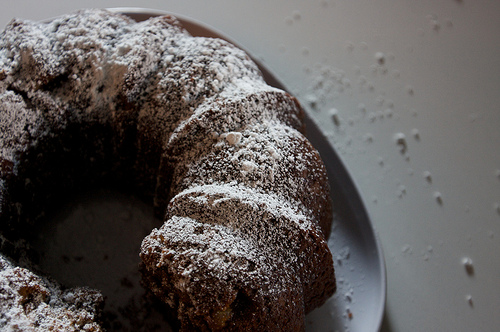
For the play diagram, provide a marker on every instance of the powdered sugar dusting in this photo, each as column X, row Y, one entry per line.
column 17, row 125
column 31, row 303
column 197, row 123
column 271, row 203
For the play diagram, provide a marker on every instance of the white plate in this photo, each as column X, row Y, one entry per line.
column 359, row 302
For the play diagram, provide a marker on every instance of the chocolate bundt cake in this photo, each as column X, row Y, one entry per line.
column 188, row 122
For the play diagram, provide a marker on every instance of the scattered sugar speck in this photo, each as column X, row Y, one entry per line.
column 427, row 176
column 380, row 57
column 406, row 249
column 416, row 134
column 334, row 114
column 467, row 263
column 438, row 197
column 468, row 298
column 400, row 140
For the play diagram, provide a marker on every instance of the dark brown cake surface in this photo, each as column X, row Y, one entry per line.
column 187, row 122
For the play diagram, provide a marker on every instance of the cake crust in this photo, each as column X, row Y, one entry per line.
column 188, row 122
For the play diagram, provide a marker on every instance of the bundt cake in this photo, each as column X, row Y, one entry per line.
column 187, row 122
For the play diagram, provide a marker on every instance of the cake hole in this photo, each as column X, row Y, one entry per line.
column 242, row 304
column 199, row 230
column 93, row 240
column 251, row 266
column 57, row 82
